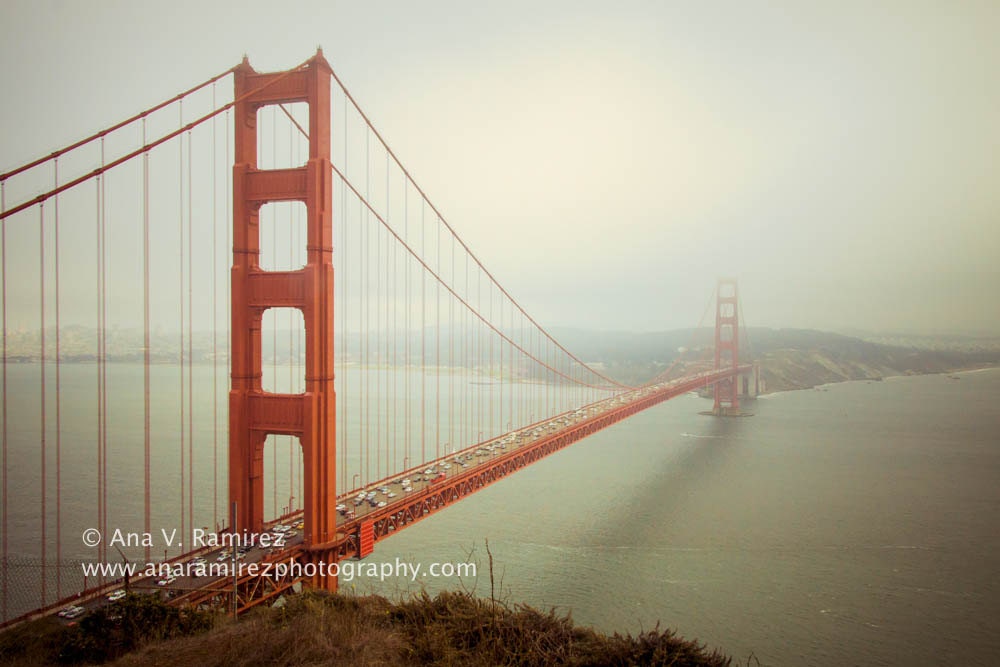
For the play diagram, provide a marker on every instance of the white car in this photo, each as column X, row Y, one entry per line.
column 71, row 612
column 166, row 581
column 116, row 595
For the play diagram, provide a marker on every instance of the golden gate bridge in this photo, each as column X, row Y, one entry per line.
column 363, row 340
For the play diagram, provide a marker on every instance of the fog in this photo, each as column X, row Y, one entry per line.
column 608, row 161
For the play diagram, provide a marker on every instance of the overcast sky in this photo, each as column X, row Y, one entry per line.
column 609, row 160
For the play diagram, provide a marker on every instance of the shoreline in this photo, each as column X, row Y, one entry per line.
column 886, row 378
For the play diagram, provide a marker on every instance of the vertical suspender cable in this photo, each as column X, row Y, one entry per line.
column 298, row 241
column 180, row 297
column 539, row 389
column 526, row 373
column 229, row 250
column 362, row 339
column 3, row 381
column 406, row 322
column 384, row 330
column 102, row 354
column 477, row 361
column 274, row 319
column 423, row 339
column 390, row 302
column 104, row 358
column 550, row 385
column 491, row 397
column 41, row 291
column 292, row 220
column 499, row 396
column 190, row 335
column 215, row 322
column 511, row 421
column 343, row 429
column 366, row 422
column 378, row 350
column 468, row 363
column 395, row 345
column 145, row 340
column 362, row 343
column 451, row 352
column 437, row 360
column 58, row 360
column 100, row 333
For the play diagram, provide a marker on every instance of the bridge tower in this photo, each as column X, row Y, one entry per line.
column 254, row 413
column 727, row 346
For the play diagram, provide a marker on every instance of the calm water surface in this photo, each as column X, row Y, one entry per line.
column 853, row 525
column 857, row 524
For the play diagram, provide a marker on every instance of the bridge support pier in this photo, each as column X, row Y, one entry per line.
column 254, row 413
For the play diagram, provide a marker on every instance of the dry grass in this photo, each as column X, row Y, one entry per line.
column 449, row 629
column 313, row 629
column 318, row 629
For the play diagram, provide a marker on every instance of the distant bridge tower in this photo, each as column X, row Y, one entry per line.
column 254, row 413
column 727, row 346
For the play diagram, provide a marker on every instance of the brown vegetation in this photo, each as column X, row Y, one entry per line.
column 318, row 629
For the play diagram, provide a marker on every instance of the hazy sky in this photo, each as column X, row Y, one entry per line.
column 607, row 161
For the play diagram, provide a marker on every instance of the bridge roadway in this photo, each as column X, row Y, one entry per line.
column 432, row 487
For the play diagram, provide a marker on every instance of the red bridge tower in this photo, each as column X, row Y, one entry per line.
column 727, row 346
column 254, row 413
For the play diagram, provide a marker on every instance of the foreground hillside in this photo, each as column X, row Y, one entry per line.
column 319, row 629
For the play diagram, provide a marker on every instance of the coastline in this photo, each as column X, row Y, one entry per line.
column 885, row 378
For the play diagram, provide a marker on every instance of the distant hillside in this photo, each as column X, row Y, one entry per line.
column 801, row 359
column 789, row 358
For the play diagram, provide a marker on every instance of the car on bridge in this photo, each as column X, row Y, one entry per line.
column 72, row 612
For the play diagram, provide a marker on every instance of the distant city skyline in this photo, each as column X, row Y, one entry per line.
column 608, row 163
